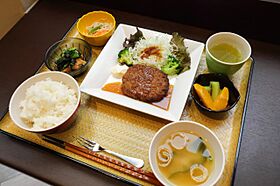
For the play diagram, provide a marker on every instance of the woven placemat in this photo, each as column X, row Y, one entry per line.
column 130, row 132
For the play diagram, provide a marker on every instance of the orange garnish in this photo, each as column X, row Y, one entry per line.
column 203, row 95
column 220, row 102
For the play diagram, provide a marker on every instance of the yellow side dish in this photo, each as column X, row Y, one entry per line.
column 219, row 103
column 99, row 28
column 96, row 27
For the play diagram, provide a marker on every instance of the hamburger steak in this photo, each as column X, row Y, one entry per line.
column 145, row 83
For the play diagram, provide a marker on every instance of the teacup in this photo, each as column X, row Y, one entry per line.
column 233, row 40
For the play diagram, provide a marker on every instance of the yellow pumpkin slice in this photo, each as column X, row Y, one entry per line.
column 204, row 95
column 221, row 101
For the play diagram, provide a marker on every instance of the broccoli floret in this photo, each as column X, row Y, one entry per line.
column 124, row 57
column 172, row 66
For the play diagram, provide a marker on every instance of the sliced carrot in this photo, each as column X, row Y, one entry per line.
column 100, row 32
column 67, row 69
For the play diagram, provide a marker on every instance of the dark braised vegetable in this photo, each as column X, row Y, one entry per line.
column 70, row 60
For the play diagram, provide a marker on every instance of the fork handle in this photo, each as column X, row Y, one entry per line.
column 134, row 161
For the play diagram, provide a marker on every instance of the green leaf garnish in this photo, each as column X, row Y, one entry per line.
column 180, row 51
column 131, row 41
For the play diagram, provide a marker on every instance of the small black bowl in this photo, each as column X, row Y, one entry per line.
column 204, row 80
column 54, row 52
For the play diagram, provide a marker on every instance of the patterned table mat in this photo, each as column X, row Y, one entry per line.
column 130, row 132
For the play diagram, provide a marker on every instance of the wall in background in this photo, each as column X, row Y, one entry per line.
column 27, row 4
column 11, row 11
column 254, row 19
column 272, row 1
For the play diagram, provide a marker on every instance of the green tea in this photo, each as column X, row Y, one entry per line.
column 226, row 53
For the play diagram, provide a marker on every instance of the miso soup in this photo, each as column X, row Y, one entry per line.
column 226, row 53
column 184, row 158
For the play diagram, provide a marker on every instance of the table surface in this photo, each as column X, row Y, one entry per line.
column 21, row 54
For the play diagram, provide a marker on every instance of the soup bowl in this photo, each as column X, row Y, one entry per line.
column 203, row 132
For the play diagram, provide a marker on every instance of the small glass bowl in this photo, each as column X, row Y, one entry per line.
column 54, row 52
column 204, row 80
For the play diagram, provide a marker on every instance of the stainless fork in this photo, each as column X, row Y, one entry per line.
column 95, row 147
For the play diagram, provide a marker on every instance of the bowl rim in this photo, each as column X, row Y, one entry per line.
column 94, row 12
column 223, row 62
column 192, row 123
column 206, row 108
column 33, row 77
column 65, row 39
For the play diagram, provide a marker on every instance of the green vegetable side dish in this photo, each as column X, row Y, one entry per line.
column 177, row 61
column 70, row 60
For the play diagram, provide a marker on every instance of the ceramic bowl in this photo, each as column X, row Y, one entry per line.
column 96, row 16
column 201, row 131
column 216, row 65
column 204, row 80
column 54, row 53
column 20, row 93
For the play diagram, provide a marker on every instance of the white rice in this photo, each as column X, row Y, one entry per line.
column 47, row 103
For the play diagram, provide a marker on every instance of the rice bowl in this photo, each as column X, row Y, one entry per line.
column 45, row 103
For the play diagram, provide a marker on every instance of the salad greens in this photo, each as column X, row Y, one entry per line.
column 176, row 62
column 180, row 59
column 180, row 51
column 124, row 56
column 172, row 66
column 131, row 41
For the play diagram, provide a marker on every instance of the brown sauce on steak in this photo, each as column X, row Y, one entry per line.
column 115, row 87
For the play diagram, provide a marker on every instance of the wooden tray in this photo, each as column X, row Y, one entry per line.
column 130, row 132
